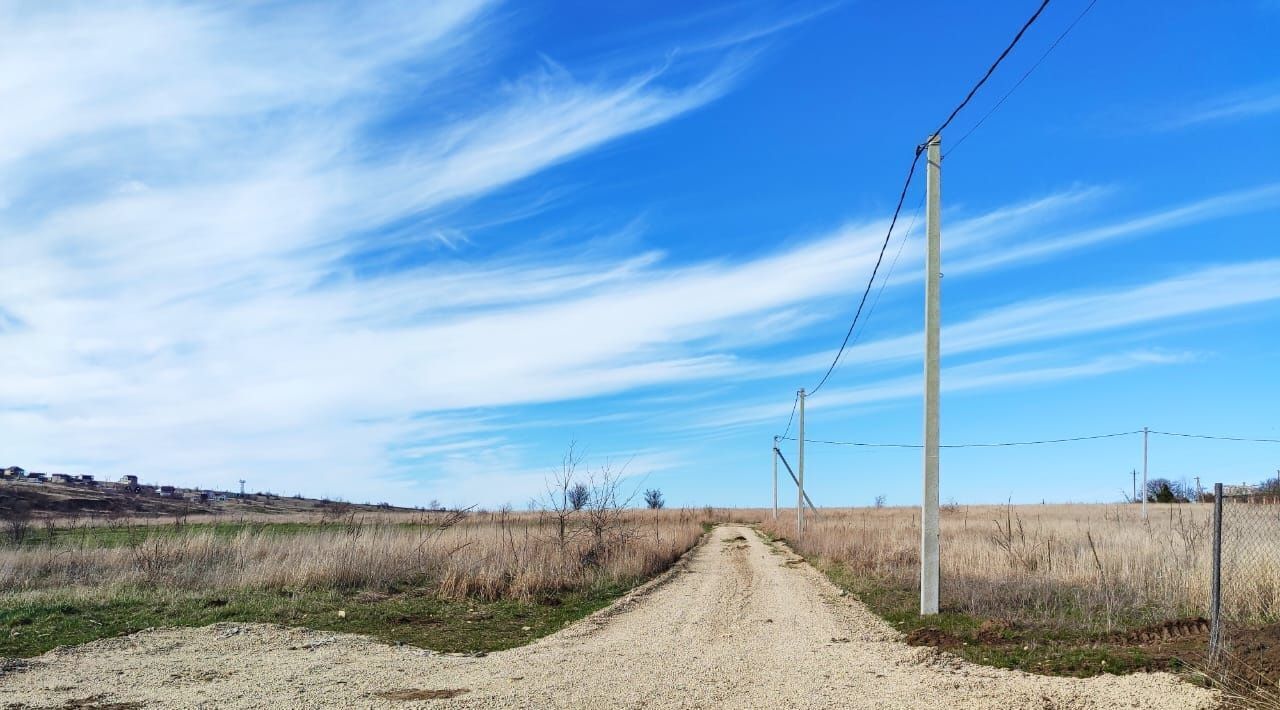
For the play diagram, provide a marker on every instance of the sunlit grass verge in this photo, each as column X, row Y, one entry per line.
column 31, row 624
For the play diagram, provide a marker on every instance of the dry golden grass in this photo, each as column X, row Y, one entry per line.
column 1098, row 566
column 486, row 556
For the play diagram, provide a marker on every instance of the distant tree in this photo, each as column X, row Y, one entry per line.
column 579, row 494
column 1162, row 490
column 880, row 501
column 434, row 504
column 653, row 499
column 1270, row 486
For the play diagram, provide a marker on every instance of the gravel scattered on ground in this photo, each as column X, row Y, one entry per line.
column 737, row 624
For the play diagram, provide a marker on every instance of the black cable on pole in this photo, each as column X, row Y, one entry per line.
column 897, row 210
column 1035, row 66
column 902, row 244
column 991, row 70
column 792, row 418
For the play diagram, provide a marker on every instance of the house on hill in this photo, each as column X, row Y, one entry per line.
column 130, row 481
column 65, row 478
column 13, row 472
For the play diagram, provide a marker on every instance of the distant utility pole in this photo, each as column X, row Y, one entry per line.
column 800, row 471
column 932, row 356
column 1145, row 433
column 1134, row 473
column 242, row 488
column 1199, row 490
column 774, row 453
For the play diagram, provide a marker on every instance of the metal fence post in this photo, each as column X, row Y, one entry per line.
column 1215, row 584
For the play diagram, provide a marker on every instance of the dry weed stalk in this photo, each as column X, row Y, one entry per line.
column 1093, row 565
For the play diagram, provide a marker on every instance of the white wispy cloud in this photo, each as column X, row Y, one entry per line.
column 1237, row 106
column 184, row 184
column 186, row 190
column 1030, row 323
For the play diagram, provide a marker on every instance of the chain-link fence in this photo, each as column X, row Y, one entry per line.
column 1245, row 582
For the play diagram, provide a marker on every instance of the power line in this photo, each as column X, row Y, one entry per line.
column 1219, row 438
column 792, row 418
column 902, row 244
column 991, row 70
column 897, row 210
column 973, row 445
column 1009, row 93
column 1039, row 441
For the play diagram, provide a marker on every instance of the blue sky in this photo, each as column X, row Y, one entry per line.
column 403, row 253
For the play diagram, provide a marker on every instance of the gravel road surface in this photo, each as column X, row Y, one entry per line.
column 738, row 624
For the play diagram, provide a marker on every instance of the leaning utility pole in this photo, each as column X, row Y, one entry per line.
column 800, row 469
column 774, row 452
column 1145, row 432
column 932, row 355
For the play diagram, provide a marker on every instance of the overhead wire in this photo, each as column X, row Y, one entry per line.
column 902, row 243
column 897, row 210
column 973, row 445
column 992, row 69
column 1028, row 73
column 791, row 418
column 1219, row 438
column 1038, row 441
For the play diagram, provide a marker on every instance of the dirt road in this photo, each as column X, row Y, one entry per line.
column 737, row 625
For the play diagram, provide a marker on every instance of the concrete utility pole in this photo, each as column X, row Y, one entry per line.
column 1145, row 433
column 932, row 356
column 774, row 452
column 242, row 488
column 800, row 469
column 1199, row 490
column 1134, row 473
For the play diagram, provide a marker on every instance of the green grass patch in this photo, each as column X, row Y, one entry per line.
column 33, row 624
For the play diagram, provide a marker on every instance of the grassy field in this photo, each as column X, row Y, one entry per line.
column 1049, row 588
column 454, row 582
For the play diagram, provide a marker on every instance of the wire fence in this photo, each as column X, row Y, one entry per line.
column 1245, row 575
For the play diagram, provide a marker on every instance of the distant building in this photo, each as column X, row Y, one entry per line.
column 131, row 481
column 63, row 478
column 12, row 472
column 86, row 479
column 37, row 477
column 168, row 491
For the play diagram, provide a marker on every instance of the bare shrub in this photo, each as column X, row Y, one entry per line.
column 17, row 524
